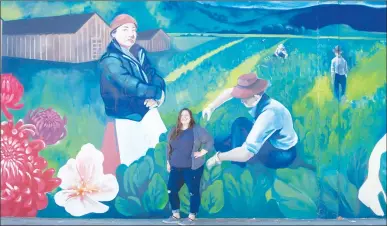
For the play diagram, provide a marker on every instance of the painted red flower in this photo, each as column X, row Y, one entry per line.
column 50, row 127
column 11, row 93
column 25, row 197
column 24, row 177
column 17, row 150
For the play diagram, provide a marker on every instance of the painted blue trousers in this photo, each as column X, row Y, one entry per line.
column 268, row 155
column 340, row 80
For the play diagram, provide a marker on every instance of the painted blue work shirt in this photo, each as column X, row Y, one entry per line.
column 273, row 122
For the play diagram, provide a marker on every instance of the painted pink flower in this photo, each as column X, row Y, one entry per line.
column 11, row 93
column 17, row 150
column 84, row 185
column 50, row 127
column 25, row 197
column 24, row 177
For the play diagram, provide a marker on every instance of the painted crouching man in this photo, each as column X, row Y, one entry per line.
column 131, row 90
column 271, row 138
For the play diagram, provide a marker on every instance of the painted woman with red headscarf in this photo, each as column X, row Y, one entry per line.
column 131, row 90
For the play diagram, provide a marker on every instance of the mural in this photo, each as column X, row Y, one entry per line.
column 292, row 92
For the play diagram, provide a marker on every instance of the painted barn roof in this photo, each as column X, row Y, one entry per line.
column 65, row 24
column 147, row 35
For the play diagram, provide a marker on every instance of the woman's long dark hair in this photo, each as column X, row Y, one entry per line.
column 177, row 130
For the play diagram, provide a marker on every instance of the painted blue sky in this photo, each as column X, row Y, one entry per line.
column 288, row 4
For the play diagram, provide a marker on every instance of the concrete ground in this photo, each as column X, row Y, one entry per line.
column 223, row 221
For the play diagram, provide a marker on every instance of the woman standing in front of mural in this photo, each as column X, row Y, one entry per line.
column 187, row 145
column 131, row 91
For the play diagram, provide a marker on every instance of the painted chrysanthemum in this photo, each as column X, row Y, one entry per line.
column 11, row 93
column 50, row 127
column 24, row 177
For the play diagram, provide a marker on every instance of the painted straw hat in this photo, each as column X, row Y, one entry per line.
column 248, row 86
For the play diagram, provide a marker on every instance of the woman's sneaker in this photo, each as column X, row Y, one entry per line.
column 187, row 221
column 172, row 220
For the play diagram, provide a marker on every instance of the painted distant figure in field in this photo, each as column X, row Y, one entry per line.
column 131, row 90
column 339, row 72
column 281, row 51
column 271, row 137
column 372, row 187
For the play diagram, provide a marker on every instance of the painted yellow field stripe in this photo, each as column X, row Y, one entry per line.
column 245, row 67
column 322, row 91
column 174, row 75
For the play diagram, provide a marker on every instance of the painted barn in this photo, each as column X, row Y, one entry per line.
column 154, row 40
column 72, row 38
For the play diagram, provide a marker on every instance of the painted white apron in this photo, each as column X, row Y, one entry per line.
column 135, row 138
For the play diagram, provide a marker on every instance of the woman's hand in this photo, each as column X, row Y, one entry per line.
column 168, row 167
column 199, row 154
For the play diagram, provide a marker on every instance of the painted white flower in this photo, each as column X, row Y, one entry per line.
column 84, row 184
column 372, row 187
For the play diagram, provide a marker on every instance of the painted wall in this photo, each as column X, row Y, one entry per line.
column 54, row 129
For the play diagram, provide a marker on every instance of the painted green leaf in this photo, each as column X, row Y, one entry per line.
column 261, row 193
column 297, row 193
column 329, row 190
column 184, row 199
column 160, row 154
column 120, row 175
column 215, row 172
column 247, row 186
column 156, row 196
column 128, row 184
column 120, row 171
column 205, row 180
column 140, row 173
column 330, row 202
column 213, row 197
column 296, row 204
column 246, row 192
column 206, row 175
column 129, row 207
column 231, row 185
column 341, row 188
